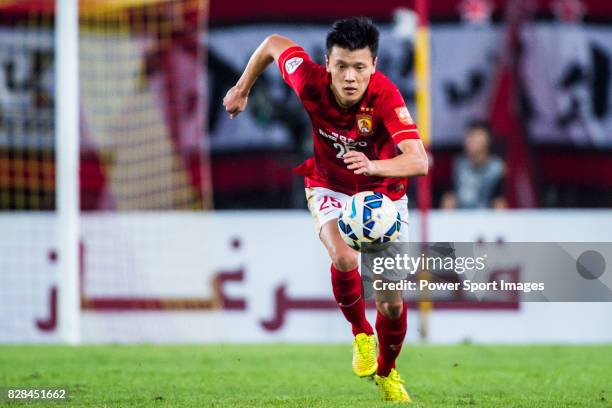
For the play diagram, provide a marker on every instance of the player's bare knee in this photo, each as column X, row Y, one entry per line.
column 344, row 261
column 391, row 310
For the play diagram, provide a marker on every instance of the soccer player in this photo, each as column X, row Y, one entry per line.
column 364, row 139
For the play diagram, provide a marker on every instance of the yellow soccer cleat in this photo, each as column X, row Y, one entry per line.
column 364, row 355
column 392, row 387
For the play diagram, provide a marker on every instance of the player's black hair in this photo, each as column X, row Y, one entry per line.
column 353, row 33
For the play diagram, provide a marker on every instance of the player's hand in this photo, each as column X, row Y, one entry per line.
column 359, row 163
column 235, row 101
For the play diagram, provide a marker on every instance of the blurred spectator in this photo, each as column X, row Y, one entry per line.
column 478, row 175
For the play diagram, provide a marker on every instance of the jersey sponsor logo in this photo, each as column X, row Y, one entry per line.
column 292, row 64
column 403, row 115
column 365, row 124
column 335, row 137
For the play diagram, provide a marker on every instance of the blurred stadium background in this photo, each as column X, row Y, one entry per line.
column 189, row 227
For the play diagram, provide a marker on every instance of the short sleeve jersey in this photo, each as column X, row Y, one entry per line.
column 373, row 126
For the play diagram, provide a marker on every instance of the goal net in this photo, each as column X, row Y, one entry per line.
column 143, row 155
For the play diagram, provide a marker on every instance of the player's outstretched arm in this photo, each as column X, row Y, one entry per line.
column 269, row 50
column 411, row 162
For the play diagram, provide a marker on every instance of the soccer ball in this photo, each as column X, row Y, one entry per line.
column 369, row 221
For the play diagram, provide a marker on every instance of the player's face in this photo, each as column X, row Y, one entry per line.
column 350, row 73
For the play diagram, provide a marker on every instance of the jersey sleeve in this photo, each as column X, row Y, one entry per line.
column 396, row 117
column 296, row 67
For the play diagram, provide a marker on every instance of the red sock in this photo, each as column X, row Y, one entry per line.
column 391, row 335
column 347, row 291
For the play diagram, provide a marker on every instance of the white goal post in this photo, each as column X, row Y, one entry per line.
column 67, row 145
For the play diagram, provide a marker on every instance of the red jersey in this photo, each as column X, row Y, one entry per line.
column 373, row 126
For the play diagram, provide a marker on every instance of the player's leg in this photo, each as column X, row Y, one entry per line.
column 346, row 281
column 391, row 327
column 325, row 206
column 347, row 288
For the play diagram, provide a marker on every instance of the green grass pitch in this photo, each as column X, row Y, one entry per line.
column 310, row 375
